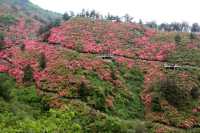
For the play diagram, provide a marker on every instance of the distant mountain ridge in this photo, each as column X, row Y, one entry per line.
column 27, row 9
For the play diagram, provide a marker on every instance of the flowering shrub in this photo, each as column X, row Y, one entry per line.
column 112, row 37
column 122, row 60
column 56, row 36
column 22, row 31
column 16, row 73
column 139, row 42
column 189, row 123
column 3, row 54
column 156, row 51
column 192, row 46
column 149, row 32
column 4, row 68
column 147, row 100
column 92, row 48
column 74, row 71
column 125, row 53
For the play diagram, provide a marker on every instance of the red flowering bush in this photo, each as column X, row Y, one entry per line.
column 56, row 36
column 192, row 46
column 16, row 73
column 4, row 68
column 108, row 85
column 97, row 37
column 92, row 48
column 3, row 54
column 22, row 30
column 149, row 32
column 125, row 53
column 128, row 62
column 141, row 41
column 156, row 51
column 147, row 100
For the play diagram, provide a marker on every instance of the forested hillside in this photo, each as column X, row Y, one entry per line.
column 85, row 74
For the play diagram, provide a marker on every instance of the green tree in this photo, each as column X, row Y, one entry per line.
column 28, row 74
column 6, row 84
column 173, row 93
column 141, row 22
column 128, row 18
column 46, row 28
column 1, row 36
column 177, row 39
column 83, row 91
column 42, row 61
column 7, row 20
column 22, row 47
column 156, row 107
column 66, row 16
column 192, row 36
column 195, row 27
column 152, row 24
column 1, row 40
column 195, row 92
column 55, row 23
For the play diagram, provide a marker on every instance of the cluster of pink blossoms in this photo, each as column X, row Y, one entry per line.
column 156, row 51
column 92, row 48
column 4, row 68
column 56, row 36
column 128, row 62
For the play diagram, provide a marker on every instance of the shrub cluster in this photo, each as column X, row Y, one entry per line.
column 1, row 40
column 42, row 61
column 7, row 20
column 6, row 85
column 177, row 39
column 28, row 74
column 174, row 94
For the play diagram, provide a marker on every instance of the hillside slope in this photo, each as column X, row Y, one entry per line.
column 25, row 8
column 103, row 76
column 20, row 20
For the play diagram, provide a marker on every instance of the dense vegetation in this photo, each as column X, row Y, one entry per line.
column 94, row 73
column 167, row 27
column 1, row 40
column 22, row 110
column 7, row 19
column 28, row 8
